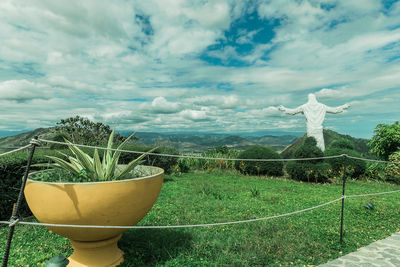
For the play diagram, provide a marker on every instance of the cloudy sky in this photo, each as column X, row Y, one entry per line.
column 210, row 66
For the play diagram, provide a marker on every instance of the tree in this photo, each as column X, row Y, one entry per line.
column 386, row 140
column 83, row 131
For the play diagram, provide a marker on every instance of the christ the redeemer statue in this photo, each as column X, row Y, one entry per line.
column 315, row 115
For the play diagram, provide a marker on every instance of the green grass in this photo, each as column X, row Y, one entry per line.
column 309, row 238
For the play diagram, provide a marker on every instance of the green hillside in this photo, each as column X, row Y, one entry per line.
column 360, row 145
column 24, row 138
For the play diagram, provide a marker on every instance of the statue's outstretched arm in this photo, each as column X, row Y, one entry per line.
column 335, row 110
column 291, row 111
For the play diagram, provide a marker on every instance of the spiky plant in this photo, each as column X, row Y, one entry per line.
column 93, row 168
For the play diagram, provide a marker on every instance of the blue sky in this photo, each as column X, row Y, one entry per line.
column 209, row 66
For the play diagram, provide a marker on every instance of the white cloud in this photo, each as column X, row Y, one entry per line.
column 219, row 101
column 329, row 93
column 23, row 90
column 160, row 105
column 194, row 115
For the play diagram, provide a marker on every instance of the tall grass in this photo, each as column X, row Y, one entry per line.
column 209, row 164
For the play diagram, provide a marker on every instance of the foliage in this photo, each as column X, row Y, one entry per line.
column 166, row 163
column 359, row 144
column 355, row 168
column 93, row 168
column 342, row 143
column 12, row 169
column 376, row 171
column 183, row 165
column 310, row 170
column 186, row 164
column 58, row 175
column 219, row 153
column 309, row 149
column 392, row 170
column 273, row 168
column 386, row 140
column 306, row 239
column 59, row 137
column 83, row 131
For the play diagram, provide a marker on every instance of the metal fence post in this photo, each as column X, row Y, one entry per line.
column 13, row 218
column 343, row 196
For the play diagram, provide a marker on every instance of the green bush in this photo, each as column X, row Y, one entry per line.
column 273, row 168
column 184, row 165
column 309, row 149
column 342, row 143
column 127, row 157
column 59, row 137
column 392, row 170
column 310, row 170
column 212, row 164
column 376, row 171
column 355, row 168
column 163, row 162
column 12, row 169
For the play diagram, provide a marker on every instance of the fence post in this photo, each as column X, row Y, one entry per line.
column 13, row 218
column 343, row 191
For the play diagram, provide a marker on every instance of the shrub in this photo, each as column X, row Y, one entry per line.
column 126, row 157
column 221, row 152
column 309, row 149
column 386, row 140
column 163, row 162
column 184, row 165
column 355, row 168
column 392, row 170
column 310, row 170
column 12, row 169
column 376, row 171
column 342, row 143
column 273, row 168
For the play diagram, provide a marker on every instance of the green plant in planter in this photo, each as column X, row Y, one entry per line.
column 93, row 168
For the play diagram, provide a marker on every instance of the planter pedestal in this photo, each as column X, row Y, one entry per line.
column 122, row 202
column 104, row 253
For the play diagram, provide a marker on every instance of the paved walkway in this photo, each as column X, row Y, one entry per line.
column 385, row 252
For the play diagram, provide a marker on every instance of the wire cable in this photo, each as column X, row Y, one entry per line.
column 174, row 226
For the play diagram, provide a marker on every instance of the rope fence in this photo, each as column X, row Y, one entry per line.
column 174, row 226
column 15, row 150
column 13, row 221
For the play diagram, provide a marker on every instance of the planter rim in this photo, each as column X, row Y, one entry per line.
column 160, row 171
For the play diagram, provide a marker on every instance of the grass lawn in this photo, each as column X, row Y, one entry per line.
column 309, row 238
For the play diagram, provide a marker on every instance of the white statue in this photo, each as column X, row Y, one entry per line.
column 315, row 115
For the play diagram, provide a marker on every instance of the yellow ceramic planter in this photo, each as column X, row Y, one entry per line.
column 123, row 202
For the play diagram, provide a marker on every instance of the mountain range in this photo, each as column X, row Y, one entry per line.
column 199, row 142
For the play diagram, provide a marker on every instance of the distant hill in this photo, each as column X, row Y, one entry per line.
column 23, row 139
column 198, row 142
column 278, row 143
column 184, row 142
column 191, row 142
column 360, row 144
